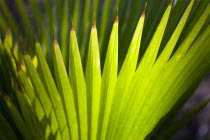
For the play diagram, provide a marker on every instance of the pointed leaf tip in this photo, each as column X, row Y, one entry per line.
column 94, row 23
column 72, row 26
column 18, row 66
column 171, row 3
column 17, row 86
column 36, row 38
column 8, row 30
column 25, row 52
column 54, row 36
column 116, row 19
column 6, row 97
column 144, row 11
column 53, row 32
column 55, row 41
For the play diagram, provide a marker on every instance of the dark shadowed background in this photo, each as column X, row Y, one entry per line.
column 199, row 127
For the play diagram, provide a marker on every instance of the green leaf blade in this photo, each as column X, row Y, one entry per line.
column 42, row 95
column 193, row 34
column 109, row 79
column 93, row 82
column 65, row 90
column 6, row 131
column 78, row 85
column 18, row 120
column 51, row 88
column 172, row 76
column 134, row 100
column 125, row 76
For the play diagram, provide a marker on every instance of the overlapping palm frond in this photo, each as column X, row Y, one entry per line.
column 108, row 76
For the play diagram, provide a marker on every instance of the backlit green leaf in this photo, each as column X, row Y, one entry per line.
column 65, row 91
column 108, row 82
column 77, row 80
column 93, row 82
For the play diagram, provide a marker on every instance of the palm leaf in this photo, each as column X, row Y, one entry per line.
column 123, row 84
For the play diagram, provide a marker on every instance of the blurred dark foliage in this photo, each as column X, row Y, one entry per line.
column 199, row 127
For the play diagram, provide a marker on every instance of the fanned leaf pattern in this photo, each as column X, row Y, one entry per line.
column 117, row 86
